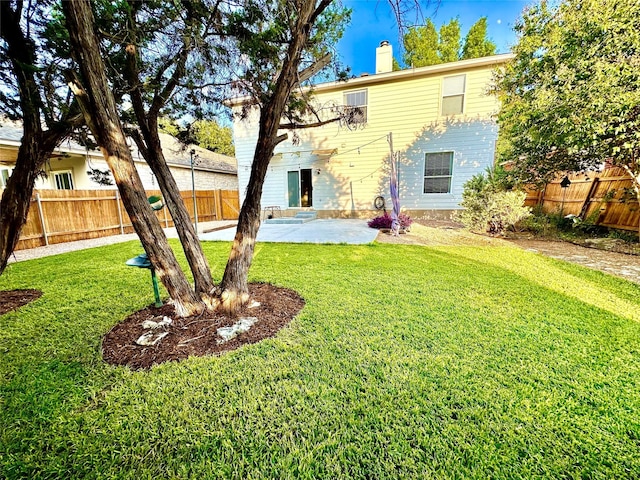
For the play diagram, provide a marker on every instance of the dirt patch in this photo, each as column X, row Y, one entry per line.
column 197, row 336
column 13, row 299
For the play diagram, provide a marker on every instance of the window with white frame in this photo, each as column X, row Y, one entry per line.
column 5, row 173
column 453, row 94
column 438, row 169
column 63, row 180
column 356, row 103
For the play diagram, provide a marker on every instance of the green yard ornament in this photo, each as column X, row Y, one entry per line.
column 156, row 202
column 142, row 261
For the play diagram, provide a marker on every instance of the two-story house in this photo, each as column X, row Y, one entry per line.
column 439, row 120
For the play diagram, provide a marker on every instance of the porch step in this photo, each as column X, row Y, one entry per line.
column 309, row 214
column 301, row 217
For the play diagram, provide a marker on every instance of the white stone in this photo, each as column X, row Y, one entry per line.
column 147, row 324
column 151, row 338
column 254, row 304
column 166, row 321
column 150, row 324
column 241, row 326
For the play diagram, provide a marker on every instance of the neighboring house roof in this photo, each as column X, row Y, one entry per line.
column 10, row 132
column 176, row 154
column 400, row 75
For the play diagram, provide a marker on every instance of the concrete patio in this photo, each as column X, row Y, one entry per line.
column 348, row 231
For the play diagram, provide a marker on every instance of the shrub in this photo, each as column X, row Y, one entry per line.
column 384, row 221
column 488, row 207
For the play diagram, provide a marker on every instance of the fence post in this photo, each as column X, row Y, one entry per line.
column 119, row 212
column 40, row 214
column 166, row 222
column 587, row 201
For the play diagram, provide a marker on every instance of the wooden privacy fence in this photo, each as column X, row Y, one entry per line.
column 58, row 216
column 606, row 198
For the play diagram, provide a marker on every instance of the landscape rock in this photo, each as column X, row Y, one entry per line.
column 151, row 338
column 241, row 326
column 150, row 324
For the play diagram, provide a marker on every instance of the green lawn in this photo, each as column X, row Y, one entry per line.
column 407, row 362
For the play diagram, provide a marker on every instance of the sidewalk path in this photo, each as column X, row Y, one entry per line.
column 58, row 248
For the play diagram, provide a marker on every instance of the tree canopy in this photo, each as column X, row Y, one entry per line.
column 207, row 134
column 421, row 45
column 571, row 96
column 424, row 45
column 476, row 43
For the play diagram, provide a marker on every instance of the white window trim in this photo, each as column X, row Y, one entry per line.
column 448, row 95
column 365, row 105
column 450, row 176
column 61, row 172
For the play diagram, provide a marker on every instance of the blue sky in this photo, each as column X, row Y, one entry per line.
column 372, row 22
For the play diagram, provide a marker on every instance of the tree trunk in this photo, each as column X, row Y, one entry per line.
column 36, row 146
column 191, row 245
column 150, row 146
column 16, row 198
column 99, row 108
column 234, row 286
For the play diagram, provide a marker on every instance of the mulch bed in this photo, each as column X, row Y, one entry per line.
column 196, row 336
column 13, row 299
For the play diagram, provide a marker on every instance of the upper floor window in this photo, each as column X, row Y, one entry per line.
column 5, row 173
column 63, row 180
column 438, row 169
column 453, row 94
column 356, row 103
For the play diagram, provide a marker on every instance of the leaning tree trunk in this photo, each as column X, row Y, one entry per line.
column 234, row 286
column 148, row 142
column 182, row 221
column 99, row 108
column 150, row 146
column 16, row 198
column 36, row 146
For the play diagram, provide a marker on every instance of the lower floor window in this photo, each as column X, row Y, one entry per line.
column 5, row 173
column 63, row 180
column 437, row 172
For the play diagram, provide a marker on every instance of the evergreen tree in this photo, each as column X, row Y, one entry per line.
column 424, row 46
column 421, row 46
column 476, row 44
column 449, row 43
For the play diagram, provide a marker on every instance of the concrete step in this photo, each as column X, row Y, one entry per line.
column 300, row 217
column 289, row 220
column 313, row 215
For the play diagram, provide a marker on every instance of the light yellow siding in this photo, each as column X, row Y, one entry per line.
column 407, row 106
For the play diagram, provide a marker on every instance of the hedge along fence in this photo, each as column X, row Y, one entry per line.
column 606, row 198
column 58, row 216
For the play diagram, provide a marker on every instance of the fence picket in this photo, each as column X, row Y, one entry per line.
column 67, row 215
column 601, row 195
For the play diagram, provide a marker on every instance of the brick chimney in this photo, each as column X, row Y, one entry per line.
column 384, row 57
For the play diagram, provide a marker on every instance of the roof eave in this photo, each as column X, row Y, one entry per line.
column 494, row 60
